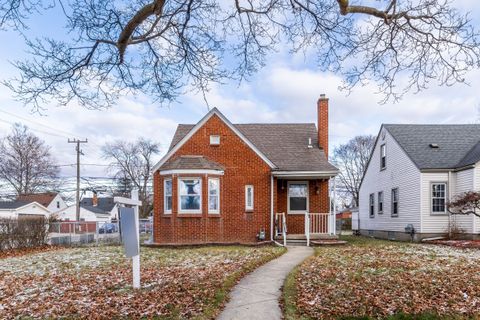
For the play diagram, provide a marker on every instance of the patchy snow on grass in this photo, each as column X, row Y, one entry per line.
column 95, row 282
column 380, row 278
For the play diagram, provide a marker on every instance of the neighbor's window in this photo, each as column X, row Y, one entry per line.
column 167, row 199
column 439, row 191
column 298, row 197
column 249, row 198
column 383, row 157
column 58, row 204
column 372, row 205
column 190, row 195
column 395, row 202
column 380, row 202
column 213, row 195
column 214, row 140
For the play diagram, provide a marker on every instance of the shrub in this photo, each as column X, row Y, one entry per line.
column 24, row 232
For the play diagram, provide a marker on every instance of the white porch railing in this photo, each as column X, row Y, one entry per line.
column 281, row 226
column 317, row 223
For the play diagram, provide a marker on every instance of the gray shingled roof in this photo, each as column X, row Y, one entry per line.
column 9, row 205
column 284, row 144
column 104, row 206
column 191, row 162
column 458, row 144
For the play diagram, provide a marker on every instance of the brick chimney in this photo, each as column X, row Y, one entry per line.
column 322, row 113
column 95, row 199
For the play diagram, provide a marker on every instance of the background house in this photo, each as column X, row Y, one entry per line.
column 22, row 209
column 413, row 172
column 91, row 209
column 53, row 201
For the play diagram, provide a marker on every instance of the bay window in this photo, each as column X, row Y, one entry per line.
column 190, row 195
column 167, row 199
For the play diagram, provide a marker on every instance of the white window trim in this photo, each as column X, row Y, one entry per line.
column 438, row 213
column 391, row 202
column 288, row 197
column 247, row 207
column 179, row 198
column 218, row 197
column 384, row 147
column 371, row 205
column 214, row 140
column 378, row 202
column 165, row 211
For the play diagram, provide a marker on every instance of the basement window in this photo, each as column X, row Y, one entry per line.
column 214, row 140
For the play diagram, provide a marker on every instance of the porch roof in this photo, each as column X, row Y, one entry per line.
column 304, row 174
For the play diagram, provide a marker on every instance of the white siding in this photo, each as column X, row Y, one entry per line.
column 52, row 207
column 400, row 173
column 458, row 182
column 29, row 209
column 476, row 183
column 69, row 214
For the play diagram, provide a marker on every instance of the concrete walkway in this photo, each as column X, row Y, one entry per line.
column 256, row 296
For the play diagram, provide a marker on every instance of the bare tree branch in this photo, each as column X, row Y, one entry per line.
column 352, row 160
column 26, row 163
column 163, row 47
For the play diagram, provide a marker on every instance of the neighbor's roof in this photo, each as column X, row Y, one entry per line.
column 104, row 206
column 458, row 144
column 191, row 162
column 283, row 144
column 10, row 205
column 43, row 198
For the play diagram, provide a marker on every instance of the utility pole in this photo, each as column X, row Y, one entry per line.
column 77, row 149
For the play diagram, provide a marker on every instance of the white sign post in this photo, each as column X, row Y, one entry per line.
column 130, row 232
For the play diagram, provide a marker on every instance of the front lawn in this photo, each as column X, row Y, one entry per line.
column 95, row 282
column 374, row 279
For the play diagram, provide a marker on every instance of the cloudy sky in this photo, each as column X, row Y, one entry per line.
column 286, row 90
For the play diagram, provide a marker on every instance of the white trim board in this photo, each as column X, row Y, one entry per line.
column 200, row 124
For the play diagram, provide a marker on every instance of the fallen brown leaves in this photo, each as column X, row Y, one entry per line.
column 24, row 251
column 379, row 280
column 458, row 243
column 181, row 283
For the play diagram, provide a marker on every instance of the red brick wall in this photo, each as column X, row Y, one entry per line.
column 242, row 167
column 318, row 203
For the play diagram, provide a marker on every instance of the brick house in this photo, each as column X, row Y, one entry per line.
column 241, row 183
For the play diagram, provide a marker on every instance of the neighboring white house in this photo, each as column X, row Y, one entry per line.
column 53, row 201
column 19, row 209
column 91, row 209
column 413, row 172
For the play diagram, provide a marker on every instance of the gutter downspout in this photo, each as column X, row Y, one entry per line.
column 449, row 186
column 271, row 207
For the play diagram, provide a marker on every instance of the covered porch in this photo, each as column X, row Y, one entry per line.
column 303, row 207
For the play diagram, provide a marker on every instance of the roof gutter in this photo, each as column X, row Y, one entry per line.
column 304, row 174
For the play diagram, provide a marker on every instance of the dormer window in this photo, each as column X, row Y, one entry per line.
column 383, row 157
column 214, row 140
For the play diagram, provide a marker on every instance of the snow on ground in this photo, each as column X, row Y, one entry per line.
column 95, row 282
column 379, row 278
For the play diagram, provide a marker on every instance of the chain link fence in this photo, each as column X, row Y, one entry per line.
column 80, row 233
column 91, row 232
